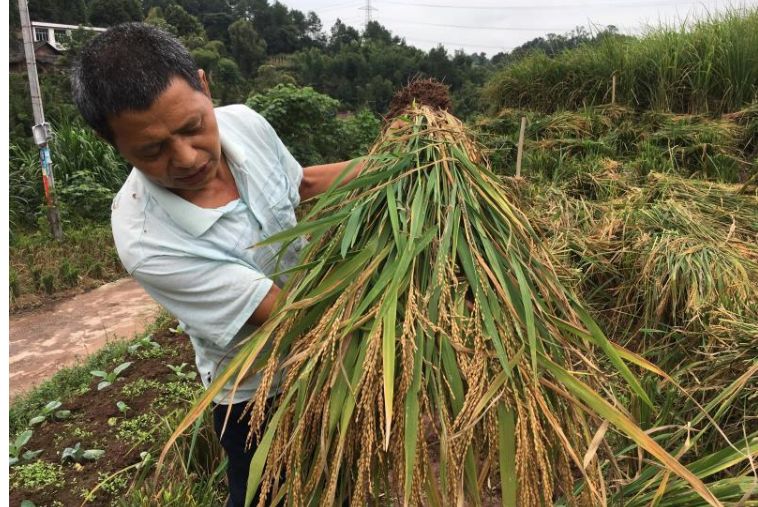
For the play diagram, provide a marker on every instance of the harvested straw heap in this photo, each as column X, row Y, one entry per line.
column 430, row 353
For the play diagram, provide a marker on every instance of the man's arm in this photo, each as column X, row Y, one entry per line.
column 264, row 309
column 318, row 178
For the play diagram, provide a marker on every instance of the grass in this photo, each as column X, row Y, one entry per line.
column 709, row 66
column 40, row 267
column 37, row 475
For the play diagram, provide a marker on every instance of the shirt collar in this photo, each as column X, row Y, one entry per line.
column 190, row 217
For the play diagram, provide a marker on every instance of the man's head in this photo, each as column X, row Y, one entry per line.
column 140, row 89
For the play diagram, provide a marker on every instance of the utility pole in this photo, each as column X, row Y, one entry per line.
column 41, row 129
column 368, row 8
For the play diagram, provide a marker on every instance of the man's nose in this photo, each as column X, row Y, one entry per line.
column 183, row 153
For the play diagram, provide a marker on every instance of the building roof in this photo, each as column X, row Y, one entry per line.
column 45, row 24
column 16, row 50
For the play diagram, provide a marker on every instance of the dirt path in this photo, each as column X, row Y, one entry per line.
column 46, row 340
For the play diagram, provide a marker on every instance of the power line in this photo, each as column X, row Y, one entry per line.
column 454, row 44
column 368, row 8
column 335, row 7
column 473, row 27
column 543, row 7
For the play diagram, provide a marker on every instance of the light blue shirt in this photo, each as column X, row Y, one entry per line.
column 195, row 261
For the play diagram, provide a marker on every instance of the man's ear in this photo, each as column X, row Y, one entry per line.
column 204, row 82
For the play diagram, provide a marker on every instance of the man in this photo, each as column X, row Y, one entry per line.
column 206, row 185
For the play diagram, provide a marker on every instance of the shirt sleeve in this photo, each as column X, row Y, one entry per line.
column 213, row 299
column 293, row 171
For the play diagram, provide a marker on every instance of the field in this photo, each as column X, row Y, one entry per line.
column 646, row 207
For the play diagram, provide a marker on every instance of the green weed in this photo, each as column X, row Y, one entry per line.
column 139, row 387
column 37, row 475
column 140, row 429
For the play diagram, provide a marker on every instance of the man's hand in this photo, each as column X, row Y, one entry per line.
column 318, row 178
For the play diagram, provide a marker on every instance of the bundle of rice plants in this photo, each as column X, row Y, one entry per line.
column 701, row 146
column 428, row 348
column 733, row 214
column 679, row 280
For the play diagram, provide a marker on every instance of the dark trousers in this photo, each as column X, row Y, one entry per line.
column 233, row 442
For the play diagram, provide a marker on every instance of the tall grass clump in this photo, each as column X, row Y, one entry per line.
column 710, row 66
column 428, row 351
column 88, row 172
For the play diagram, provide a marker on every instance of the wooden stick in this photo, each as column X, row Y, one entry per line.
column 613, row 90
column 520, row 152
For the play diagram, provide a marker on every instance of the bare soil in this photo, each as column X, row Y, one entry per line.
column 58, row 335
column 91, row 411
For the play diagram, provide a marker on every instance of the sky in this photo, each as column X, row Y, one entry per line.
column 492, row 26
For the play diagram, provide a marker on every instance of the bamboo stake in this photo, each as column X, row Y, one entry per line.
column 613, row 89
column 520, row 152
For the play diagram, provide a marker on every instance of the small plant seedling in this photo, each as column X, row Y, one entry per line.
column 181, row 374
column 109, row 378
column 15, row 447
column 122, row 407
column 28, row 503
column 144, row 342
column 50, row 410
column 77, row 454
column 176, row 330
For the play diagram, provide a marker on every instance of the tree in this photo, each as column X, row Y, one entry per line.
column 268, row 76
column 113, row 12
column 377, row 33
column 155, row 18
column 342, row 34
column 247, row 47
column 70, row 12
column 186, row 24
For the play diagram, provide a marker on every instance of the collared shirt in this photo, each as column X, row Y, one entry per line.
column 197, row 262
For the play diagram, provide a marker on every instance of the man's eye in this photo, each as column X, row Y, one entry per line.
column 152, row 155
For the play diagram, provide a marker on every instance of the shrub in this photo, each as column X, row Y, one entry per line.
column 307, row 123
column 88, row 172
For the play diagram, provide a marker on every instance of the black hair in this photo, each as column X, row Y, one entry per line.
column 126, row 68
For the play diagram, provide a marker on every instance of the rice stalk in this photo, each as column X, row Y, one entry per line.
column 429, row 347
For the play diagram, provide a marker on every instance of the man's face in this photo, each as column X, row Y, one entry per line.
column 175, row 142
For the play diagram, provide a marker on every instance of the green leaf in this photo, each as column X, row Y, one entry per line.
column 52, row 406
column 626, row 426
column 23, row 439
column 93, row 454
column 506, row 427
column 412, row 416
column 351, row 230
column 63, row 414
column 121, row 367
column 30, row 455
column 388, row 363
